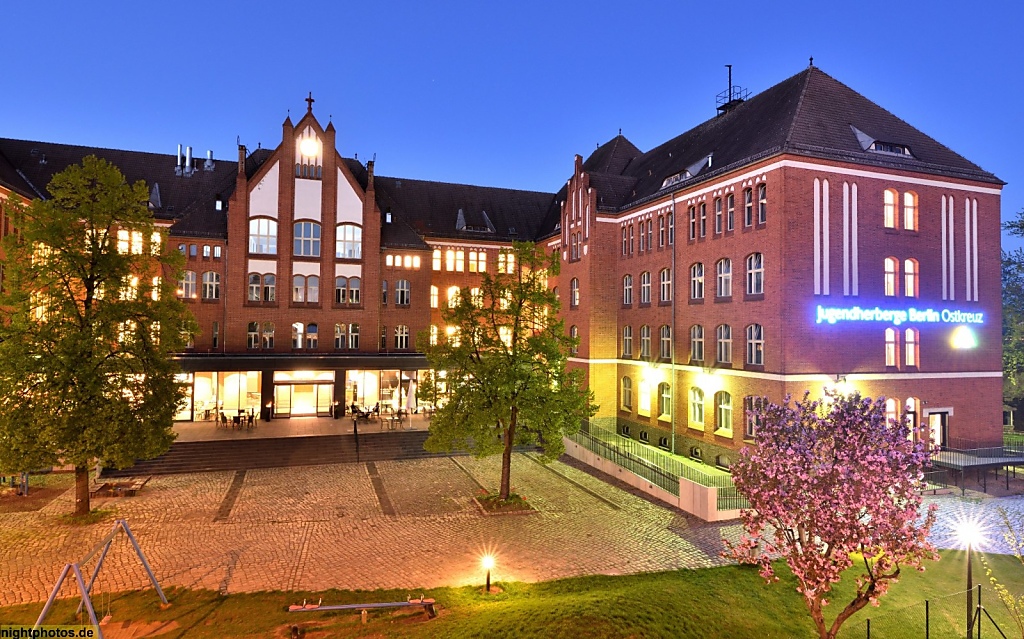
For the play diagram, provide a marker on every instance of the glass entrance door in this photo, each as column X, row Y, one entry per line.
column 938, row 424
column 282, row 401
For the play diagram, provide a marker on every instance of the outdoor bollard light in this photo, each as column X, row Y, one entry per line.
column 487, row 562
column 970, row 535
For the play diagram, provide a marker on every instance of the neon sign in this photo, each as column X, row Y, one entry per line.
column 832, row 315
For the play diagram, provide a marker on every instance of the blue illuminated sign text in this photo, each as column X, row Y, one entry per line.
column 898, row 316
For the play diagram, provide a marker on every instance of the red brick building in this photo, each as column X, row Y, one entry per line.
column 802, row 238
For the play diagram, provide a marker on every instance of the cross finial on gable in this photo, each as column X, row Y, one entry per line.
column 309, row 102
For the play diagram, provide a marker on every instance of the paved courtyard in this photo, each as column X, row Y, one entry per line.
column 399, row 524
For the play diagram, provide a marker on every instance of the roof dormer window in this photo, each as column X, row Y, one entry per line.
column 890, row 148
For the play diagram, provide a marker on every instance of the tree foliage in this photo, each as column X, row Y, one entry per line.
column 1013, row 317
column 829, row 483
column 85, row 372
column 504, row 367
column 1012, row 524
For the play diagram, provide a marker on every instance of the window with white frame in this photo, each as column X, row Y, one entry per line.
column 298, row 333
column 269, row 287
column 434, row 297
column 703, row 219
column 353, row 290
column 723, row 272
column 666, row 342
column 403, row 292
column 755, row 345
column 910, row 278
column 693, row 222
column 627, row 290
column 187, row 285
column 340, row 339
column 436, row 260
column 348, row 244
column 891, row 347
column 671, row 229
column 625, row 237
column 627, row 341
column 892, row 266
column 263, row 236
column 723, row 342
column 661, row 231
column 752, row 416
column 889, row 208
column 627, row 393
column 574, row 333
column 665, row 285
column 664, row 400
column 255, row 287
column 401, row 337
column 253, row 335
column 268, row 336
column 645, row 342
column 762, row 203
column 697, row 343
column 211, row 285
column 730, row 211
column 696, row 406
column 748, row 207
column 645, row 287
column 312, row 335
column 912, row 345
column 755, row 274
column 460, row 261
column 650, row 235
column 305, row 289
column 574, row 293
column 353, row 337
column 718, row 216
column 697, row 281
column 910, row 211
column 723, row 411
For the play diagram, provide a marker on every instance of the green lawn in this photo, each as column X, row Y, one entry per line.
column 721, row 602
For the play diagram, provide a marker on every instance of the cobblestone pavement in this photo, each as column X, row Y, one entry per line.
column 979, row 508
column 319, row 527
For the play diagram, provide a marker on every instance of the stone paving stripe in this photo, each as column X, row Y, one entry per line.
column 301, row 561
column 230, row 497
column 378, row 487
column 575, row 483
column 468, row 474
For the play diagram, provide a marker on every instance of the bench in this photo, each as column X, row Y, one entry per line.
column 426, row 604
column 120, row 489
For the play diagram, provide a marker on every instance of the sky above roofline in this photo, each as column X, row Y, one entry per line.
column 497, row 94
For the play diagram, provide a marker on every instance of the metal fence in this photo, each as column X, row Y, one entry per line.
column 626, row 458
column 729, row 498
column 942, row 617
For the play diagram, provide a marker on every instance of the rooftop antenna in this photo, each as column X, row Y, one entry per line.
column 732, row 97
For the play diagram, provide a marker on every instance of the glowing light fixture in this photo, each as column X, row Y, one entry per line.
column 487, row 562
column 963, row 338
column 309, row 147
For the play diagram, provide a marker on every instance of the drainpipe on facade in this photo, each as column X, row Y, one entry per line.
column 675, row 279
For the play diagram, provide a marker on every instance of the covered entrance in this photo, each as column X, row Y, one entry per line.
column 303, row 393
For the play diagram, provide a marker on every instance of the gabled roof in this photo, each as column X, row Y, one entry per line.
column 188, row 202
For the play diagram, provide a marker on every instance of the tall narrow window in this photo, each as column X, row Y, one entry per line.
column 666, row 342
column 312, row 336
column 340, row 290
column 665, row 282
column 436, row 260
column 752, row 412
column 449, row 260
column 697, row 343
column 574, row 293
column 891, row 346
column 627, row 393
column 910, row 211
column 353, row 290
column 348, row 244
column 889, row 208
column 268, row 336
column 718, row 216
column 664, row 400
column 263, row 236
column 211, row 285
column 384, row 292
column 298, row 332
column 403, row 293
column 269, row 287
column 627, row 290
column 891, row 269
column 755, row 345
column 650, row 235
column 645, row 342
column 433, row 335
column 253, row 335
column 748, row 207
column 755, row 274
column 661, row 231
column 723, row 337
column 703, row 219
column 299, row 290
column 645, row 287
column 693, row 222
column 892, row 410
column 671, row 229
column 574, row 333
column 433, row 297
column 911, row 339
column 910, row 278
column 697, row 281
column 313, row 289
column 353, row 337
column 627, row 341
column 187, row 285
column 696, row 407
column 762, row 203
column 401, row 337
column 255, row 280
column 340, row 341
column 460, row 261
column 723, row 271
column 730, row 211
column 723, row 411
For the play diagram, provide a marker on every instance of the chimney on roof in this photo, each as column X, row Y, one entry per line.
column 241, row 159
column 178, row 167
column 208, row 164
column 187, row 171
column 369, row 175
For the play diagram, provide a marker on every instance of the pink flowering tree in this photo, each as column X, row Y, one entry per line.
column 831, row 484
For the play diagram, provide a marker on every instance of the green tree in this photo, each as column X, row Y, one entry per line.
column 90, row 320
column 504, row 370
column 1013, row 323
column 1012, row 524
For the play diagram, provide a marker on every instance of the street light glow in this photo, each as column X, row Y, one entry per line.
column 487, row 562
column 969, row 533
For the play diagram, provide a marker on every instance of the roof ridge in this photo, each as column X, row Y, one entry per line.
column 799, row 105
column 476, row 186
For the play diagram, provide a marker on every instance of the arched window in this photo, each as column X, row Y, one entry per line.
column 403, row 293
column 340, row 290
column 268, row 336
column 892, row 410
column 255, row 281
column 697, row 343
column 891, row 346
column 666, row 342
column 627, row 290
column 748, row 207
column 730, row 211
column 697, row 281
column 307, row 239
column 718, row 216
column 434, row 295
column 755, row 274
column 696, row 406
column 723, row 270
column 574, row 332
column 298, row 331
column 664, row 400
column 269, row 287
column 187, row 285
column 645, row 287
column 312, row 334
column 353, row 290
column 627, row 341
column 401, row 336
column 910, row 211
column 299, row 289
column 253, row 335
column 211, row 285
column 263, row 236
column 436, row 260
column 645, row 342
column 340, row 341
column 912, row 345
column 910, row 278
column 892, row 266
column 627, row 393
column 889, row 208
column 348, row 244
column 449, row 260
column 353, row 337
column 912, row 412
column 723, row 337
column 665, row 281
column 313, row 289
column 453, row 296
column 723, row 411
column 755, row 345
column 762, row 203
column 752, row 416
column 574, row 293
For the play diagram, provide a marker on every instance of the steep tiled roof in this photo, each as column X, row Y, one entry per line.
column 612, row 157
column 187, row 201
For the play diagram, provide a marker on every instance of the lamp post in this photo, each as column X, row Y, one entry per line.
column 487, row 561
column 970, row 535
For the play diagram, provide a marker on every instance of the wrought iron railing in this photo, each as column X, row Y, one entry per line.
column 628, row 460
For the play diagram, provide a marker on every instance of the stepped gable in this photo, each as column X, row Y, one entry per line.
column 188, row 202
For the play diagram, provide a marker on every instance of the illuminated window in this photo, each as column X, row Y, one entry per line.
column 697, row 343
column 389, row 260
column 697, row 281
column 892, row 410
column 723, row 411
column 755, row 345
column 574, row 293
column 730, row 211
column 889, row 208
column 403, row 292
column 433, row 335
column 154, row 290
column 340, row 340
column 645, row 288
column 627, row 290
column 891, row 346
column 748, row 207
column 891, row 270
column 723, row 272
column 665, row 342
column 665, row 282
column 211, row 285
column 449, row 260
column 752, row 413
column 436, row 260
column 216, row 252
column 460, row 261
column 407, row 261
column 269, row 287
column 122, row 242
column 696, row 406
column 912, row 344
column 154, row 243
column 645, row 342
column 453, row 296
column 187, row 285
column 433, row 297
column 263, row 236
column 298, row 331
column 206, row 251
column 910, row 278
column 253, row 335
column 723, row 339
column 477, row 262
column 348, row 243
column 574, row 333
column 627, row 393
column 762, row 203
column 755, row 274
column 268, row 335
column 910, row 211
column 664, row 400
column 627, row 341
column 401, row 337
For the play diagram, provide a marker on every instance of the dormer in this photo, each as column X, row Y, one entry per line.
column 309, row 155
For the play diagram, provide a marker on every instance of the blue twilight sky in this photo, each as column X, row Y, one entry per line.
column 495, row 93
